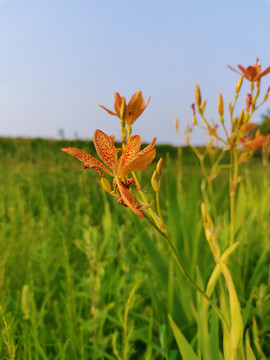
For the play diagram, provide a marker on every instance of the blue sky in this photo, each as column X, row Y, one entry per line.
column 60, row 58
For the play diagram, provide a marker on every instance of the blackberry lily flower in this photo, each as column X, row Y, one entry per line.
column 134, row 108
column 251, row 73
column 130, row 160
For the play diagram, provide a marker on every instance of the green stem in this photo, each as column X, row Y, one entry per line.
column 224, row 127
column 209, row 183
column 151, row 212
column 187, row 276
column 216, row 164
column 233, row 184
column 158, row 205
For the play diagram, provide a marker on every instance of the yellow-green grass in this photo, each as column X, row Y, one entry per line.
column 82, row 277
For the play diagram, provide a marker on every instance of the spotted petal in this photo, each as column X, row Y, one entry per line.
column 135, row 107
column 105, row 148
column 87, row 159
column 130, row 151
column 126, row 198
column 141, row 161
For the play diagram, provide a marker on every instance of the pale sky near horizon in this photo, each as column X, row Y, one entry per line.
column 60, row 59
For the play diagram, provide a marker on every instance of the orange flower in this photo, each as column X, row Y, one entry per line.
column 134, row 109
column 253, row 142
column 252, row 73
column 130, row 160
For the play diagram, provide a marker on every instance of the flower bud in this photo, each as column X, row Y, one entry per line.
column 123, row 109
column 155, row 181
column 193, row 109
column 230, row 108
column 106, row 185
column 195, row 122
column 203, row 212
column 239, row 84
column 176, row 124
column 159, row 166
column 241, row 118
column 266, row 96
column 203, row 106
column 246, row 118
column 198, row 95
column 220, row 105
column 248, row 102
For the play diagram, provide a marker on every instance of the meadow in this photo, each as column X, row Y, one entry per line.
column 82, row 277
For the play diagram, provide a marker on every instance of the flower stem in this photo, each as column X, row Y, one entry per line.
column 158, row 205
column 233, row 184
column 187, row 276
column 151, row 212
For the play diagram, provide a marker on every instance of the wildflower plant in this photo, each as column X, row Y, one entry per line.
column 241, row 145
column 122, row 164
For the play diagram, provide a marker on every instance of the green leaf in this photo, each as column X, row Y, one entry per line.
column 184, row 347
column 249, row 351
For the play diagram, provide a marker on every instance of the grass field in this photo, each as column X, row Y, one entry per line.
column 82, row 277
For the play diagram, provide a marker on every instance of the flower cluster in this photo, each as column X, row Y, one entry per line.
column 120, row 162
column 237, row 135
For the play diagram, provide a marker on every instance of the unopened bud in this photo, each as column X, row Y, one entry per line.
column 266, row 96
column 193, row 109
column 230, row 108
column 105, row 184
column 155, row 181
column 123, row 109
column 159, row 166
column 220, row 105
column 241, row 118
column 198, row 95
column 203, row 106
column 234, row 122
column 246, row 118
column 248, row 102
column 203, row 212
column 239, row 84
column 195, row 120
column 176, row 124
